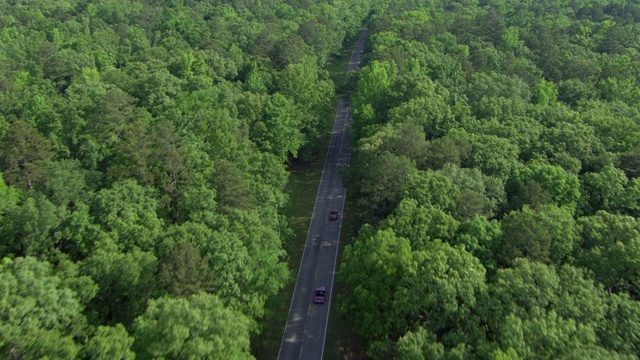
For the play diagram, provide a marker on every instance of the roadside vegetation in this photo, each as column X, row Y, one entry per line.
column 159, row 159
column 302, row 188
column 144, row 149
column 495, row 181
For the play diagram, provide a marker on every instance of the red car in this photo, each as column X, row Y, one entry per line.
column 334, row 214
column 319, row 295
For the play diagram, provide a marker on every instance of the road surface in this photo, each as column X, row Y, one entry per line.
column 306, row 327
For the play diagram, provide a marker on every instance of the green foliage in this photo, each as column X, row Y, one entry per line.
column 571, row 91
column 543, row 314
column 420, row 224
column 31, row 229
column 311, row 93
column 479, row 194
column 493, row 155
column 23, row 153
column 546, row 93
column 254, row 81
column 453, row 148
column 380, row 183
column 430, row 112
column 520, row 121
column 431, row 189
column 185, row 271
column 289, row 50
column 556, row 185
column 596, row 352
column 509, row 354
column 125, row 282
column 109, row 342
column 513, row 119
column 614, row 124
column 128, row 213
column 510, row 38
column 374, row 267
column 278, row 132
column 619, row 331
column 9, row 198
column 576, row 140
column 246, row 261
column 545, row 234
column 39, row 315
column 370, row 103
column 610, row 245
column 481, row 237
column 145, row 148
column 496, row 85
column 405, row 140
column 396, row 288
column 420, row 344
column 608, row 190
column 140, row 141
column 191, row 328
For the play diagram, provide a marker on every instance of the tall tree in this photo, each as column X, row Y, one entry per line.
column 184, row 271
column 559, row 186
column 39, row 316
column 125, row 281
column 371, row 101
column 127, row 211
column 482, row 238
column 396, row 288
column 430, row 188
column 23, row 153
column 32, row 228
column 191, row 328
column 541, row 313
column 420, row 224
column 109, row 342
column 278, row 132
column 544, row 234
column 609, row 246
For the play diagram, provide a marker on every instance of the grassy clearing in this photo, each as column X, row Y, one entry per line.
column 302, row 189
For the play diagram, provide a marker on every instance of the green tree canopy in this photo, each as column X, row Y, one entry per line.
column 541, row 313
column 39, row 315
column 110, row 342
column 23, row 153
column 396, row 288
column 127, row 211
column 545, row 234
column 191, row 328
column 609, row 247
column 420, row 224
column 561, row 187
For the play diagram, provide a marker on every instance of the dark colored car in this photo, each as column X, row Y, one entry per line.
column 334, row 214
column 319, row 295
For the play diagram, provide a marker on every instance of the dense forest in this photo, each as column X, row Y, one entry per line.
column 496, row 181
column 143, row 155
column 495, row 178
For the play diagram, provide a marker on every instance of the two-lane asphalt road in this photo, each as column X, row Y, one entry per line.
column 306, row 328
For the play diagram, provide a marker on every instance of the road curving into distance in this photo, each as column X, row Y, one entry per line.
column 306, row 327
